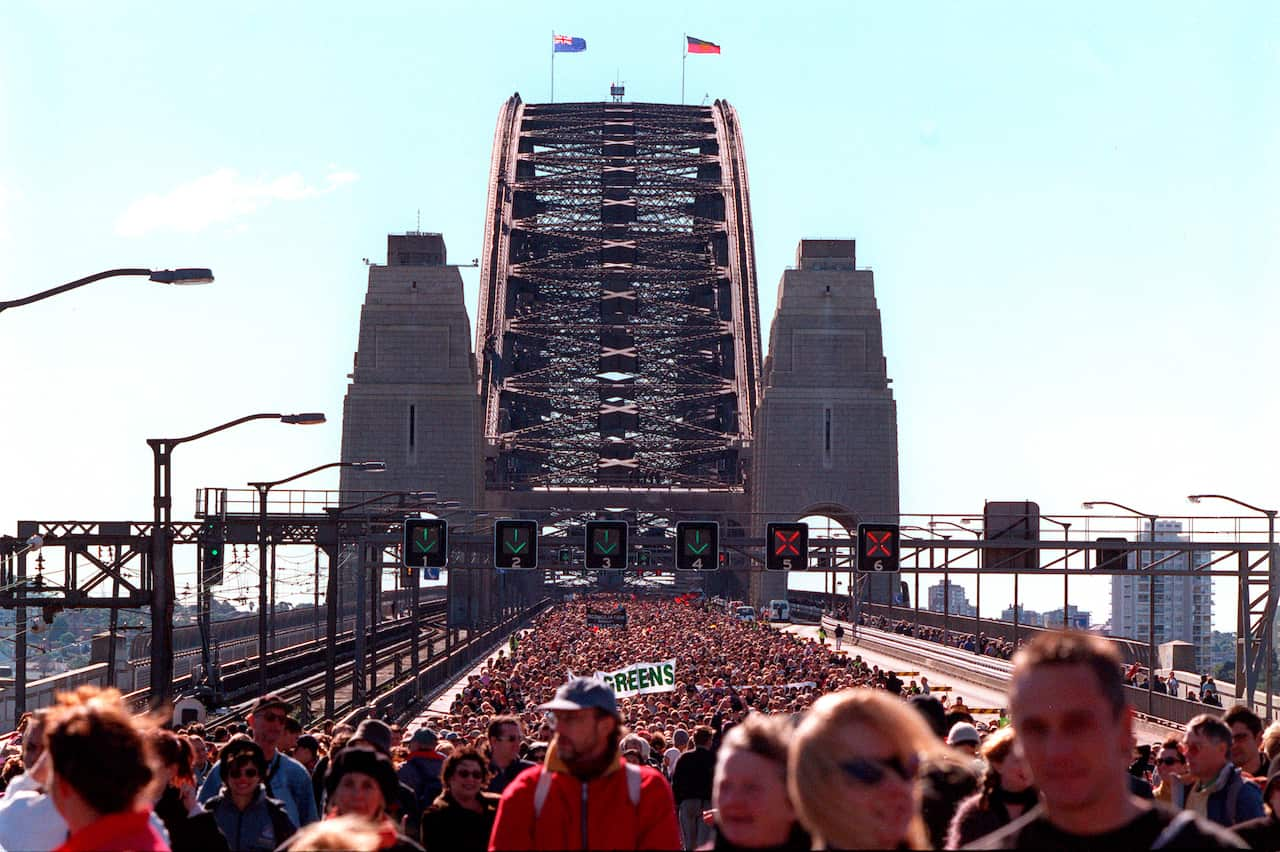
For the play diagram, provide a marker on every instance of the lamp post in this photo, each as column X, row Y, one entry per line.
column 1268, row 628
column 162, row 583
column 331, row 599
column 1066, row 556
column 161, row 276
column 263, row 488
column 977, row 606
column 916, row 628
column 1151, row 593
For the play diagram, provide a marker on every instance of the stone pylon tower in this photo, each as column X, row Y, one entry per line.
column 412, row 402
column 827, row 425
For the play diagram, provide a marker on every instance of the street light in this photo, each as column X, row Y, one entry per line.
column 162, row 584
column 1066, row 557
column 1151, row 593
column 161, row 276
column 263, row 488
column 1269, row 616
column 977, row 607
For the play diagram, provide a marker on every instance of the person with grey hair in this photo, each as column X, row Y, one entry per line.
column 1219, row 792
column 679, row 742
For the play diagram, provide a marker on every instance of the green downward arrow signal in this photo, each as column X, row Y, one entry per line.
column 516, row 545
column 426, row 545
column 701, row 548
column 600, row 544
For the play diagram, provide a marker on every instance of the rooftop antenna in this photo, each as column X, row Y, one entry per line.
column 419, row 231
column 617, row 89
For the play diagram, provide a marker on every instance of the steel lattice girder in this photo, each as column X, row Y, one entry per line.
column 618, row 333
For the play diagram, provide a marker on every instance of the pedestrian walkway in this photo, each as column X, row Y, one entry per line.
column 440, row 705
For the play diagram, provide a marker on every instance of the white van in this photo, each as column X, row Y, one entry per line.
column 745, row 613
column 779, row 611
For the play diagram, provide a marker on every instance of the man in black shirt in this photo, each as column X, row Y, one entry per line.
column 691, row 782
column 1076, row 731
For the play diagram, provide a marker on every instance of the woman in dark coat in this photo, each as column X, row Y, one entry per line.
column 189, row 826
column 1006, row 793
column 461, row 818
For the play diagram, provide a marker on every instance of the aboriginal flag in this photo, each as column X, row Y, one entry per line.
column 697, row 45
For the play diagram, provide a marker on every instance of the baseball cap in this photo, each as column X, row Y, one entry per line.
column 963, row 732
column 424, row 736
column 584, row 693
column 271, row 700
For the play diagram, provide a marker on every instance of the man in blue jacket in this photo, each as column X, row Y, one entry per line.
column 1220, row 791
column 286, row 779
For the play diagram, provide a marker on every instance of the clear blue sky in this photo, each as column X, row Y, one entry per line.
column 1071, row 212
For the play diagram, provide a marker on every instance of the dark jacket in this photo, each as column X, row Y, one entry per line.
column 449, row 827
column 945, row 781
column 1239, row 799
column 198, row 832
column 263, row 825
column 502, row 777
column 1262, row 834
column 973, row 821
column 422, row 773
column 692, row 777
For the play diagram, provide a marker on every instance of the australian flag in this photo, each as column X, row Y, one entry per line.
column 568, row 44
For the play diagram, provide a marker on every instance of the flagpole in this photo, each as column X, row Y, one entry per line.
column 684, row 59
column 553, row 66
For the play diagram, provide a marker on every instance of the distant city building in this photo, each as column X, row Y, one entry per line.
column 1078, row 618
column 1183, row 606
column 958, row 603
column 1025, row 616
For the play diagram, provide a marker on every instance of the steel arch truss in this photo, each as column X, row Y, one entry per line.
column 618, row 333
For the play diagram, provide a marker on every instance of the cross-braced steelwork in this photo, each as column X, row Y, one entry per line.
column 618, row 336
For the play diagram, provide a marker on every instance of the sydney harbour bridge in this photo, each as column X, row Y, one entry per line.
column 617, row 368
column 614, row 372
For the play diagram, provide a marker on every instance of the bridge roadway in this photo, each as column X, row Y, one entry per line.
column 981, row 681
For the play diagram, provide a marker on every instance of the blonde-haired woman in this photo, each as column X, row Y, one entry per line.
column 1007, row 792
column 852, row 771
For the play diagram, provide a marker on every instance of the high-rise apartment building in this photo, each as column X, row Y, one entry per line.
column 958, row 603
column 1183, row 606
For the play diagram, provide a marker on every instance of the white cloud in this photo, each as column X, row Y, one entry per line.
column 219, row 197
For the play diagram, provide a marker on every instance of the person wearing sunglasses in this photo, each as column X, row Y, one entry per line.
column 1171, row 770
column 852, row 771
column 461, row 819
column 248, row 818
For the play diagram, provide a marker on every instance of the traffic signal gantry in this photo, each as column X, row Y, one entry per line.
column 426, row 543
column 787, row 547
column 878, row 548
column 515, row 544
column 606, row 545
column 697, row 545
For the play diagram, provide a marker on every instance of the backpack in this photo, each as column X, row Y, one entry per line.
column 540, row 792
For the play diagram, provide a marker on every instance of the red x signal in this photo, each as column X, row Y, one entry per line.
column 785, row 543
column 878, row 543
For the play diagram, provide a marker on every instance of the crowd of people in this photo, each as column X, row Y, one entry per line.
column 980, row 643
column 674, row 727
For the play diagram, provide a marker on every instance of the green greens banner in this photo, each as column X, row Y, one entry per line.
column 642, row 678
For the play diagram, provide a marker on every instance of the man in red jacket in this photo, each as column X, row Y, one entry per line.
column 585, row 796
